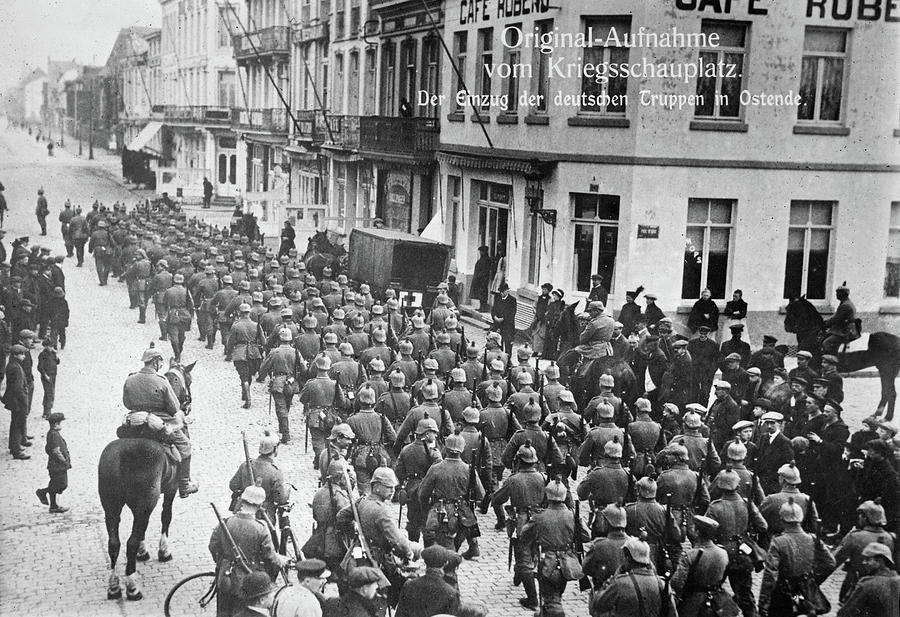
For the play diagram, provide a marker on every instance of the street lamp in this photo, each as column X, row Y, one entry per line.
column 534, row 194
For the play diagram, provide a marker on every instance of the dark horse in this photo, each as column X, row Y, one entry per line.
column 583, row 378
column 883, row 351
column 134, row 472
column 321, row 252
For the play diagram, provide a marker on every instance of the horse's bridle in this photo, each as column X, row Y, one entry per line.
column 178, row 371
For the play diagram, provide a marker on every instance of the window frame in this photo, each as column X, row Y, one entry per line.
column 808, row 228
column 541, row 79
column 708, row 225
column 461, row 53
column 485, row 56
column 512, row 84
column 604, row 22
column 893, row 228
column 820, row 69
column 599, row 224
column 720, row 52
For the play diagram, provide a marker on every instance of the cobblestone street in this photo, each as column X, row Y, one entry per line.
column 57, row 564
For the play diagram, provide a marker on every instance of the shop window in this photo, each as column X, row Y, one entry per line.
column 892, row 267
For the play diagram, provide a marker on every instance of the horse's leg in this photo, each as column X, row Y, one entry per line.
column 888, row 375
column 113, row 516
column 163, row 553
column 142, row 554
column 138, row 529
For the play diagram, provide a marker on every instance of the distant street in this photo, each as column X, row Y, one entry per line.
column 57, row 564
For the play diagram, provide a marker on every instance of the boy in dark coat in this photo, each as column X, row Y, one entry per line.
column 47, row 367
column 58, row 309
column 58, row 465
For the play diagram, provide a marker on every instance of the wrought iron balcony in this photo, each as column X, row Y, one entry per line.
column 269, row 120
column 344, row 133
column 198, row 114
column 271, row 41
column 411, row 136
column 310, row 127
column 311, row 32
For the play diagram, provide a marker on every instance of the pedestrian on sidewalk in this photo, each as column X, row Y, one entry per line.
column 47, row 368
column 16, row 400
column 58, row 465
column 58, row 308
column 41, row 211
column 207, row 193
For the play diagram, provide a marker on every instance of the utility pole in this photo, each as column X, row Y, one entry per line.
column 91, row 121
column 77, row 123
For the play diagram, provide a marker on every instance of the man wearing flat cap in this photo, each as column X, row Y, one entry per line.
column 429, row 594
column 803, row 369
column 304, row 599
column 598, row 291
column 735, row 345
column 359, row 597
column 774, row 451
column 767, row 358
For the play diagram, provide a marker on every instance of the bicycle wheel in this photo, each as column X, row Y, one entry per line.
column 194, row 595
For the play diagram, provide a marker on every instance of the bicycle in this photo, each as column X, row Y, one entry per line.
column 196, row 594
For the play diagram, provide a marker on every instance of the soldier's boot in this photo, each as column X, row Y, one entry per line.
column 501, row 518
column 211, row 340
column 473, row 551
column 142, row 314
column 162, row 331
column 284, row 427
column 530, row 600
column 246, row 388
column 185, row 485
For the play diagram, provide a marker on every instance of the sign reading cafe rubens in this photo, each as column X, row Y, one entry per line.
column 477, row 11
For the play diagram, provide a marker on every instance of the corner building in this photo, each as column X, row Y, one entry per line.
column 717, row 192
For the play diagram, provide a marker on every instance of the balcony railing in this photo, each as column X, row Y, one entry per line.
column 344, row 132
column 272, row 120
column 199, row 114
column 274, row 40
column 311, row 32
column 399, row 135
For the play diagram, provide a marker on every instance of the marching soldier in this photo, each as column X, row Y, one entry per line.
column 498, row 425
column 243, row 347
column 327, row 542
column 337, row 448
column 524, row 395
column 606, row 396
column 525, row 491
column 138, row 277
column 605, row 484
column 552, row 388
column 283, row 363
column 412, row 464
column 266, row 475
column 569, row 431
column 547, row 451
column 473, row 368
column 477, row 452
column 697, row 582
column 457, row 398
column 101, row 245
column 218, row 304
column 702, row 454
column 444, row 355
column 377, row 350
column 592, row 450
column 789, row 482
column 347, row 372
column 869, row 528
column 322, row 399
column 420, row 339
column 358, row 337
column 646, row 517
column 876, row 593
column 205, row 291
column 636, row 591
column 736, row 518
column 493, row 350
column 160, row 282
column 373, row 433
column 523, row 354
column 494, row 379
column 447, row 493
column 253, row 540
column 336, row 326
column 308, row 342
column 376, row 382
column 394, row 404
column 149, row 392
column 604, row 557
column 430, row 367
column 331, row 347
column 794, row 556
column 405, row 363
column 553, row 533
column 179, row 312
column 429, row 407
column 685, row 492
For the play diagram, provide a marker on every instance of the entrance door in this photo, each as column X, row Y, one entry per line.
column 226, row 167
column 492, row 231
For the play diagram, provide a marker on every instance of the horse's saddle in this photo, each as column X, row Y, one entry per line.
column 131, row 430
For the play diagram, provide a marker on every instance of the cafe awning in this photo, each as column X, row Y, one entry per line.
column 143, row 138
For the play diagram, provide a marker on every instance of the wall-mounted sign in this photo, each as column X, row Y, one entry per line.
column 648, row 231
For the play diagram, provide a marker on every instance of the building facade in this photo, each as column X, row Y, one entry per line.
column 668, row 180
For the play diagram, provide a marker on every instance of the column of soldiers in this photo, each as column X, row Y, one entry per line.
column 403, row 409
